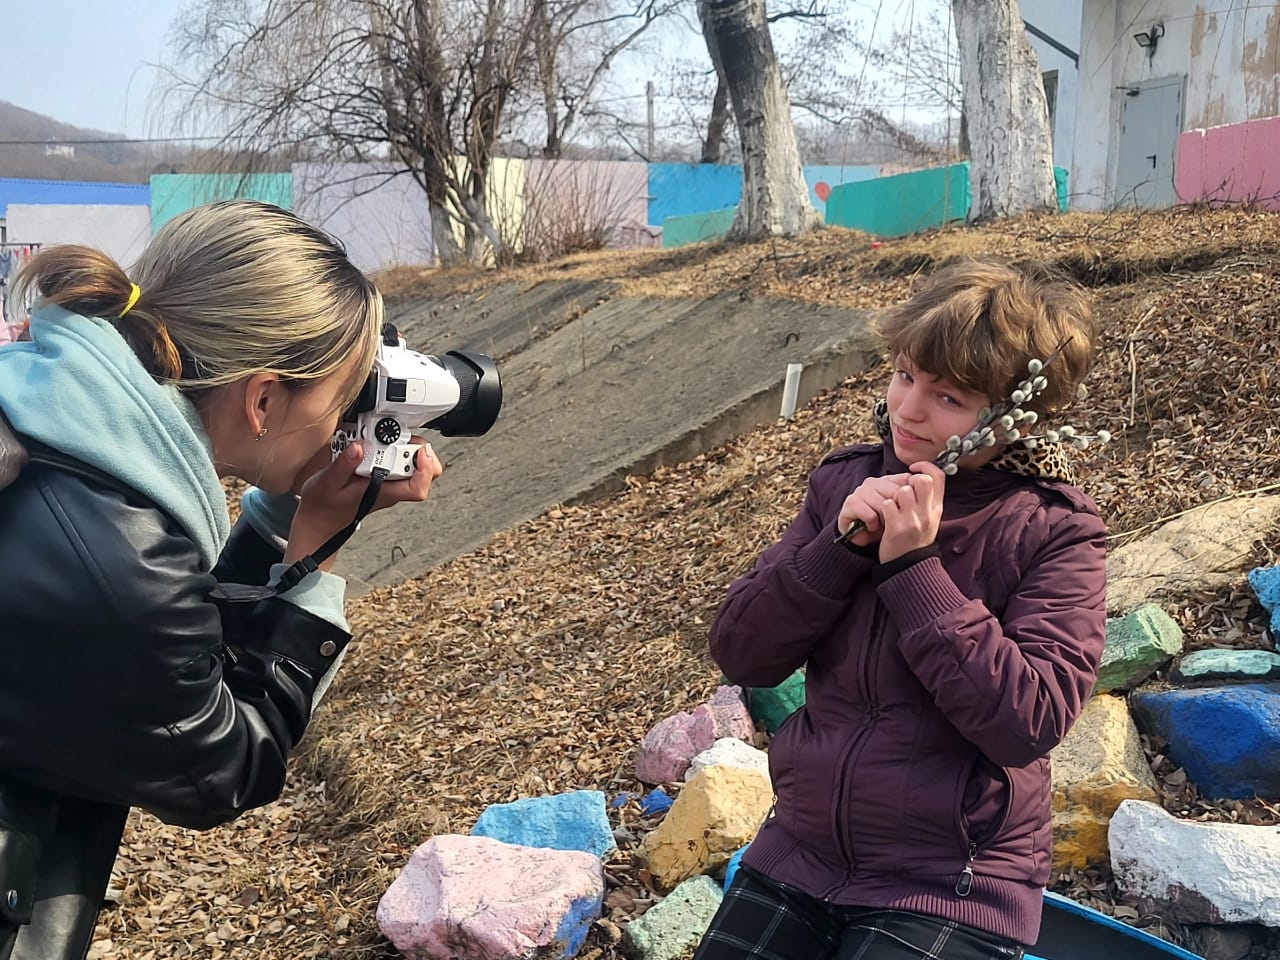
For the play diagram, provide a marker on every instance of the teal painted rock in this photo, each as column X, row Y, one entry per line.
column 675, row 925
column 1227, row 664
column 1138, row 645
column 769, row 706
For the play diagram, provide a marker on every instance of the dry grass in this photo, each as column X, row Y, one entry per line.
column 849, row 268
column 536, row 663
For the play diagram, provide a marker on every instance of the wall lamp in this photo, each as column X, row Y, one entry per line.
column 1148, row 39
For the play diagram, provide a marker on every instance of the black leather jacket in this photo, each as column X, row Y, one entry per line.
column 122, row 683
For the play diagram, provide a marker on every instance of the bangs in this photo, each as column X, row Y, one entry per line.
column 947, row 343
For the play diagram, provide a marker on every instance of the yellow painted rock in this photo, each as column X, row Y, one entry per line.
column 717, row 812
column 1099, row 765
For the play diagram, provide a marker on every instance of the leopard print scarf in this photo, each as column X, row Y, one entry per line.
column 1046, row 460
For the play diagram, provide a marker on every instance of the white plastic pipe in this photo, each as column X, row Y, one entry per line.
column 790, row 390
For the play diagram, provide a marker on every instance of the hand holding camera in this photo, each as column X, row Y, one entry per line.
column 331, row 497
column 458, row 393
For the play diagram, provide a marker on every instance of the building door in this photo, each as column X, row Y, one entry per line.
column 1150, row 123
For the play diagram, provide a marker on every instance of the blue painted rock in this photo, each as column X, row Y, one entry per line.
column 566, row 821
column 1227, row 738
column 1266, row 586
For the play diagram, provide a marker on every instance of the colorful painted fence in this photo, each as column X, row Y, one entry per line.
column 907, row 203
column 575, row 201
column 894, row 206
column 174, row 193
column 67, row 192
column 904, row 203
column 681, row 189
column 377, row 211
column 119, row 230
column 1230, row 164
column 686, row 189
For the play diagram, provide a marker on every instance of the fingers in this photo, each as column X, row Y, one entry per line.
column 415, row 489
column 341, row 471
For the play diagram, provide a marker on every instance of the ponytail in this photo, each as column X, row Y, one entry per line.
column 228, row 290
column 88, row 282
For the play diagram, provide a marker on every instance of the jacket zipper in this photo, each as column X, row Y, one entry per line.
column 965, row 881
column 856, row 742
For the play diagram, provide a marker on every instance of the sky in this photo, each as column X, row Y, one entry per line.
column 92, row 63
column 86, row 62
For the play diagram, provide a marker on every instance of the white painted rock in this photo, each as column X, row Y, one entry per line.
column 1198, row 872
column 473, row 898
column 729, row 752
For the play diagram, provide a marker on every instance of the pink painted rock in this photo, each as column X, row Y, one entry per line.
column 732, row 717
column 667, row 750
column 473, row 898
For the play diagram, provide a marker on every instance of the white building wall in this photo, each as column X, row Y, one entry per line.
column 1060, row 19
column 1226, row 49
column 120, row 231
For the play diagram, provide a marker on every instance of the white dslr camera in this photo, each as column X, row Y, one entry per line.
column 458, row 394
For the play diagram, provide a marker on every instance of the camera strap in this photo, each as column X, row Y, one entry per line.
column 311, row 562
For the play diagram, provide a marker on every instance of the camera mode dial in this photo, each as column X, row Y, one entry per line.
column 387, row 430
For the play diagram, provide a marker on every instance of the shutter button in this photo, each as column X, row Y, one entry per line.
column 328, row 648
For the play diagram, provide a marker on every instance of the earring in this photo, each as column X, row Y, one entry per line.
column 261, row 433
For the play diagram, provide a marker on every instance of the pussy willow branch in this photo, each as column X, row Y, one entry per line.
column 985, row 425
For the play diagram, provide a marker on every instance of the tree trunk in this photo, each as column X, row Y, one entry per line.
column 775, row 198
column 713, row 146
column 447, row 251
column 1011, row 150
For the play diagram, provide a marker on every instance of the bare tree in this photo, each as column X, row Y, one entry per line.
column 1011, row 149
column 426, row 84
column 568, row 78
column 775, row 198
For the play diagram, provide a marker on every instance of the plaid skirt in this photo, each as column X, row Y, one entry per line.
column 759, row 918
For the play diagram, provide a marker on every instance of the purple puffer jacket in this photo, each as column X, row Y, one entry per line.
column 916, row 776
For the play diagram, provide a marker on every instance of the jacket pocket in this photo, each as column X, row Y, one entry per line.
column 19, row 862
column 983, row 806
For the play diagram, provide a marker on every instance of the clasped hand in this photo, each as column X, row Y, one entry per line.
column 902, row 511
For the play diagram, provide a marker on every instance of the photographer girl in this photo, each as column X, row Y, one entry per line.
column 949, row 645
column 229, row 350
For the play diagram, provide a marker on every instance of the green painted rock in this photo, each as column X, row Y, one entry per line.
column 769, row 706
column 1227, row 665
column 675, row 925
column 1137, row 646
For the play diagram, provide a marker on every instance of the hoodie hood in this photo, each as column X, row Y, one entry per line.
column 78, row 387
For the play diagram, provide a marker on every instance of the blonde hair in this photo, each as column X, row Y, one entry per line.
column 978, row 323
column 228, row 290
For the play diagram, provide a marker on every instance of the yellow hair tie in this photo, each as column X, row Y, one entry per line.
column 134, row 294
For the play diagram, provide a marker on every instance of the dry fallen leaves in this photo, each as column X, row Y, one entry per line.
column 536, row 663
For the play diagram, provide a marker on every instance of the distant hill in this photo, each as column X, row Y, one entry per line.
column 46, row 160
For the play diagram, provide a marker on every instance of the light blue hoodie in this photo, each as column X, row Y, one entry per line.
column 78, row 387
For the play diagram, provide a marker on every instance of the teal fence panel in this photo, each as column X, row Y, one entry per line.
column 902, row 204
column 173, row 193
column 697, row 227
column 1060, row 183
column 908, row 203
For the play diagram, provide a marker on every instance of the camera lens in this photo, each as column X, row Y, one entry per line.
column 479, row 394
